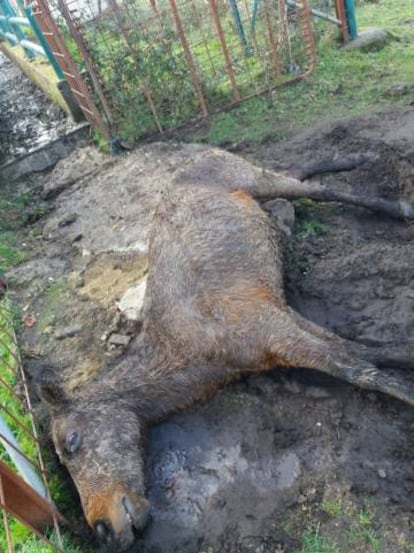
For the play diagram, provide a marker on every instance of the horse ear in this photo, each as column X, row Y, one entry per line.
column 51, row 389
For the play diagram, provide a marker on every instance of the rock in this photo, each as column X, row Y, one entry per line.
column 131, row 302
column 382, row 473
column 369, row 40
column 397, row 89
column 119, row 340
column 69, row 332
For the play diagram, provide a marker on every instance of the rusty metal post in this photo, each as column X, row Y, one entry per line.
column 189, row 58
column 273, row 43
column 145, row 87
column 212, row 4
column 87, row 59
column 52, row 34
column 341, row 15
column 307, row 31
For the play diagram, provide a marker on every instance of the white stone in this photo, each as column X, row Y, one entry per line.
column 131, row 302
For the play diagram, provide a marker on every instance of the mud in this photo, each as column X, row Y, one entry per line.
column 28, row 119
column 255, row 467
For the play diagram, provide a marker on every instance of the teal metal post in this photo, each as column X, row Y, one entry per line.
column 350, row 18
column 8, row 11
column 28, row 10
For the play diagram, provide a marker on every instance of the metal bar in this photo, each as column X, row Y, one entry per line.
column 28, row 45
column 55, row 41
column 28, row 10
column 21, row 21
column 9, row 12
column 316, row 13
column 227, row 61
column 273, row 44
column 14, row 355
column 16, row 421
column 4, row 383
column 7, row 509
column 87, row 59
column 5, row 518
column 12, row 37
column 189, row 58
column 350, row 18
column 340, row 14
column 308, row 35
column 145, row 87
column 13, row 446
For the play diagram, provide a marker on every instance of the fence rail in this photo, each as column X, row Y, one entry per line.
column 25, row 499
column 153, row 65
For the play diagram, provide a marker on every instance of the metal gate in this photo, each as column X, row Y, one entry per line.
column 155, row 64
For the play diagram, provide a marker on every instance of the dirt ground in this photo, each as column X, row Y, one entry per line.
column 265, row 460
column 28, row 119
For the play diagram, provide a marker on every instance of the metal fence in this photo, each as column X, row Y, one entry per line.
column 25, row 500
column 152, row 65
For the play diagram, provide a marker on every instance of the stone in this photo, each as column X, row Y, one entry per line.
column 397, row 89
column 132, row 301
column 69, row 332
column 369, row 40
column 382, row 473
column 119, row 340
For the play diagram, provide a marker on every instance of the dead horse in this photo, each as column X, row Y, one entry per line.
column 214, row 309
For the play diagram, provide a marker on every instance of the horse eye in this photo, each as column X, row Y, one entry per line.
column 73, row 442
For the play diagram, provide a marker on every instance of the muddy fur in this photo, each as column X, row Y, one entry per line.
column 214, row 310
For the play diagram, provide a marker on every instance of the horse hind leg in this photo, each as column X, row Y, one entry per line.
column 293, row 343
column 399, row 356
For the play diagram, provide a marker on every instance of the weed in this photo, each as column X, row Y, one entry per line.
column 314, row 542
column 333, row 507
column 362, row 532
column 10, row 256
column 311, row 227
column 35, row 545
column 53, row 295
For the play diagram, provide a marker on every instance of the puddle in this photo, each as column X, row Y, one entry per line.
column 28, row 119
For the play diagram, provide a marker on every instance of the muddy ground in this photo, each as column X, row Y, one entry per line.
column 28, row 119
column 254, row 468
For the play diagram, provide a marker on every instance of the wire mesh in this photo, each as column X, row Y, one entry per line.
column 156, row 64
column 20, row 451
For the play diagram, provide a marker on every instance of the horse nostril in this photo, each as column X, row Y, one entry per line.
column 103, row 531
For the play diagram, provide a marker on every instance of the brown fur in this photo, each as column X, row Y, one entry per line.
column 214, row 309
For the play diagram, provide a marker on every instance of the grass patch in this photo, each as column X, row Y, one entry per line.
column 23, row 539
column 314, row 542
column 363, row 534
column 8, row 368
column 333, row 507
column 311, row 227
column 52, row 296
column 344, row 83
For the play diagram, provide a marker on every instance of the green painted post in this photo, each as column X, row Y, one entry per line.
column 28, row 10
column 351, row 18
column 8, row 11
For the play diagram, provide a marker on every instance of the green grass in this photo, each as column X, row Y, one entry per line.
column 8, row 367
column 363, row 533
column 333, row 507
column 23, row 539
column 314, row 542
column 344, row 83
